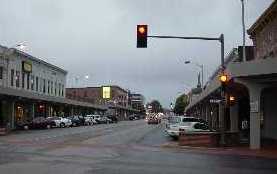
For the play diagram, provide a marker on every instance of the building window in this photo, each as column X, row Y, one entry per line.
column 36, row 83
column 23, row 80
column 51, row 87
column 17, row 76
column 48, row 86
column 59, row 89
column 44, row 85
column 32, row 82
column 28, row 81
column 12, row 77
column 62, row 90
column 1, row 72
column 55, row 88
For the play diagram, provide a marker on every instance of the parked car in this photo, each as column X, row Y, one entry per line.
column 175, row 122
column 194, row 127
column 103, row 120
column 89, row 120
column 60, row 121
column 23, row 124
column 113, row 118
column 41, row 123
column 132, row 117
column 82, row 119
column 76, row 121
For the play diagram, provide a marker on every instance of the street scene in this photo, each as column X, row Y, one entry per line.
column 138, row 87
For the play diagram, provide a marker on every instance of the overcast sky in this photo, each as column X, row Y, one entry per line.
column 98, row 38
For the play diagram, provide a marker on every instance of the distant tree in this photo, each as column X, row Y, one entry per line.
column 180, row 104
column 156, row 106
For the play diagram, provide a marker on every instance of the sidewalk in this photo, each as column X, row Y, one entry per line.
column 266, row 152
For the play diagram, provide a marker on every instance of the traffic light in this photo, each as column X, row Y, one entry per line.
column 141, row 36
column 224, row 79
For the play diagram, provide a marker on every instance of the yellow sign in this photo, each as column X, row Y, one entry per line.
column 106, row 92
column 27, row 67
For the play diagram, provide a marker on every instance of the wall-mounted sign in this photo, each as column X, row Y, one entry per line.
column 106, row 92
column 254, row 107
column 27, row 67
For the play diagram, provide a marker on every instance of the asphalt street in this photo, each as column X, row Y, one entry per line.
column 123, row 148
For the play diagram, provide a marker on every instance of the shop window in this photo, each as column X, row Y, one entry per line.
column 17, row 74
column 1, row 72
column 12, row 77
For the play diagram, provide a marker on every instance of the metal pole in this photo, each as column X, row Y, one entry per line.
column 243, row 27
column 202, row 71
column 223, row 99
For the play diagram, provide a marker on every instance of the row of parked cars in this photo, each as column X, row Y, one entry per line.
column 177, row 124
column 71, row 121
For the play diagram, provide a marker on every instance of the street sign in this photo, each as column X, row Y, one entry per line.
column 254, row 107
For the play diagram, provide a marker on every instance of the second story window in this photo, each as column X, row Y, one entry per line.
column 32, row 82
column 51, row 87
column 48, row 86
column 59, row 89
column 55, row 88
column 1, row 72
column 28, row 81
column 36, row 83
column 17, row 76
column 12, row 77
column 44, row 85
column 23, row 80
column 62, row 90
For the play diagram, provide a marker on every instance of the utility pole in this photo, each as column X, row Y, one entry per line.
column 243, row 28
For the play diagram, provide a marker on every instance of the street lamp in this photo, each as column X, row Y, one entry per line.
column 202, row 70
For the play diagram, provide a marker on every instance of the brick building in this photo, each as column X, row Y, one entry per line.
column 264, row 33
column 119, row 102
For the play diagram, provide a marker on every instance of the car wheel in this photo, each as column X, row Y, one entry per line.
column 62, row 125
column 48, row 126
column 73, row 124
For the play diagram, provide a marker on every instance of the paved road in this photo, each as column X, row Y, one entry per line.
column 123, row 148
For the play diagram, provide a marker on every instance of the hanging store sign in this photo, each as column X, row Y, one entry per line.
column 106, row 92
column 27, row 67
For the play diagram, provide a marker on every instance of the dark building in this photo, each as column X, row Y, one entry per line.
column 137, row 102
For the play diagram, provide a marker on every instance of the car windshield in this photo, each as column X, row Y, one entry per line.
column 138, row 86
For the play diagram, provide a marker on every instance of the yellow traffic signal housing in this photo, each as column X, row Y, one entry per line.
column 142, row 36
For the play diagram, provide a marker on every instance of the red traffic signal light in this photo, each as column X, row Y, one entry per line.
column 142, row 36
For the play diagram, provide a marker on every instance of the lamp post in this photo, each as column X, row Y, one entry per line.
column 201, row 66
column 243, row 28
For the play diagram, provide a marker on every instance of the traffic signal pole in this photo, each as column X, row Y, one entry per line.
column 223, row 96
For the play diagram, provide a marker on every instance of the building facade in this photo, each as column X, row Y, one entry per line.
column 138, row 102
column 31, row 87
